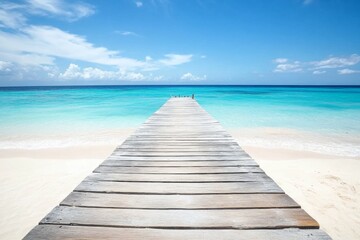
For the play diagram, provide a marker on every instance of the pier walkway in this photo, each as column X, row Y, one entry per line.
column 179, row 176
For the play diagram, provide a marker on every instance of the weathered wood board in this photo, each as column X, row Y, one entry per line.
column 148, row 201
column 194, row 178
column 178, row 170
column 190, row 219
column 179, row 188
column 149, row 163
column 60, row 232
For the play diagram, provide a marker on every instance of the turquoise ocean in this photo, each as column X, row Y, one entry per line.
column 55, row 111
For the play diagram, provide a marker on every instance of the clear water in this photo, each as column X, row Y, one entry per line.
column 27, row 111
column 56, row 108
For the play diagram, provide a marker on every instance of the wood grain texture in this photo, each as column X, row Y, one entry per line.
column 183, row 150
column 165, row 144
column 176, row 170
column 56, row 232
column 186, row 219
column 176, row 153
column 196, row 178
column 157, row 147
column 147, row 201
column 179, row 188
column 179, row 158
column 150, row 163
column 179, row 140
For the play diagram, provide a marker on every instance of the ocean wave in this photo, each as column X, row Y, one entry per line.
column 345, row 149
column 55, row 143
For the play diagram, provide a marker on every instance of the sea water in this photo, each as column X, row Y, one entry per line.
column 77, row 110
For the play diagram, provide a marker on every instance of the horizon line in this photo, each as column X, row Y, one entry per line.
column 188, row 85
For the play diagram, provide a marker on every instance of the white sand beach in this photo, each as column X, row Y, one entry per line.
column 327, row 186
column 34, row 181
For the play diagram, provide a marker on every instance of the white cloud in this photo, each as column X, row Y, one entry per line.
column 5, row 66
column 280, row 60
column 41, row 45
column 347, row 71
column 36, row 48
column 337, row 62
column 74, row 72
column 203, row 56
column 127, row 33
column 13, row 15
column 49, row 42
column 190, row 76
column 158, row 78
column 283, row 65
column 138, row 4
column 16, row 72
column 317, row 67
column 70, row 11
column 9, row 18
column 318, row 72
column 26, row 59
column 176, row 59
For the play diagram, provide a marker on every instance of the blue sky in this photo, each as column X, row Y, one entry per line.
column 55, row 42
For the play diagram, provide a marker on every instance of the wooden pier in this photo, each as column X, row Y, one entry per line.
column 179, row 176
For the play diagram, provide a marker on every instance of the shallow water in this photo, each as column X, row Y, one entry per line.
column 57, row 112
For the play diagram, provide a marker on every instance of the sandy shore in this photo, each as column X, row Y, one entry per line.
column 327, row 186
column 33, row 182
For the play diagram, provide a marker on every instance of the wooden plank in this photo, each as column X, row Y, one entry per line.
column 179, row 188
column 227, row 141
column 211, row 137
column 184, row 139
column 155, row 147
column 147, row 201
column 165, row 143
column 187, row 219
column 130, row 163
column 213, row 128
column 60, row 232
column 177, row 143
column 183, row 150
column 187, row 128
column 158, row 144
column 176, row 170
column 193, row 134
column 181, row 142
column 179, row 158
column 177, row 154
column 199, row 178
